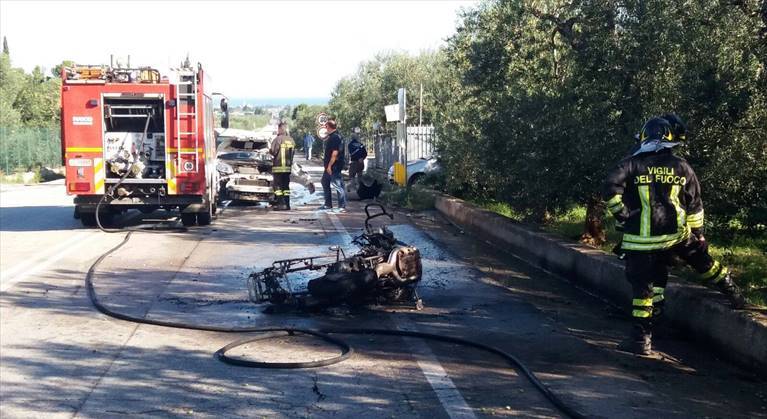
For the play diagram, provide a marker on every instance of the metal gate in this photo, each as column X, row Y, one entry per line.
column 420, row 144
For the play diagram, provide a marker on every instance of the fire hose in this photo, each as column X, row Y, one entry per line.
column 322, row 334
column 114, row 187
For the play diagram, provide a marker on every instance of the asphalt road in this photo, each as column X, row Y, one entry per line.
column 60, row 358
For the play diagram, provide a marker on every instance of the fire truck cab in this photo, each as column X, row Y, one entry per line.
column 132, row 139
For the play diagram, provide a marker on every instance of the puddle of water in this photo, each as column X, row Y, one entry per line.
column 299, row 194
column 414, row 237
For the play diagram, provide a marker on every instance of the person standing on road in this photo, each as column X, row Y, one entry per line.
column 333, row 162
column 655, row 198
column 282, row 151
column 357, row 155
column 308, row 143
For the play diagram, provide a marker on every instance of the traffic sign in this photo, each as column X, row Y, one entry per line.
column 392, row 113
column 322, row 119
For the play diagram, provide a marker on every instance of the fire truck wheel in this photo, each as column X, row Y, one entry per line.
column 188, row 219
column 204, row 218
column 88, row 219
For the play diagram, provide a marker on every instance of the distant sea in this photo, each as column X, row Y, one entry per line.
column 277, row 101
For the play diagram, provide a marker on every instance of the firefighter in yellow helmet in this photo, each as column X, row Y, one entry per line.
column 282, row 150
column 655, row 199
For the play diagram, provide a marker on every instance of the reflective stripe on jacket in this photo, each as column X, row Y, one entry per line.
column 282, row 150
column 656, row 196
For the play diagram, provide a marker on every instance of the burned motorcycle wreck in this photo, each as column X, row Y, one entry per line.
column 384, row 271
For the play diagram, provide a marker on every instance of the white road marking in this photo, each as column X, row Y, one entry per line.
column 25, row 270
column 447, row 393
column 451, row 399
column 7, row 273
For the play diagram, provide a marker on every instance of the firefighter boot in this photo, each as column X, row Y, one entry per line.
column 661, row 328
column 729, row 289
column 287, row 202
column 279, row 204
column 638, row 342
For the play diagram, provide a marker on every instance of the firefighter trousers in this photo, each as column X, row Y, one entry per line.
column 648, row 274
column 281, row 188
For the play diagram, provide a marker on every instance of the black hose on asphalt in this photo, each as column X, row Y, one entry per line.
column 346, row 349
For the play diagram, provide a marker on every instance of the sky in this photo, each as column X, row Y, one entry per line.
column 260, row 49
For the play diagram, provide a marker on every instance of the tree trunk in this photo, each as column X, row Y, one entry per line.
column 594, row 229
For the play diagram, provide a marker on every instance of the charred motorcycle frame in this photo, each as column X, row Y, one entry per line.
column 384, row 271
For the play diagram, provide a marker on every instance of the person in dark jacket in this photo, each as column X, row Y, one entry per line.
column 333, row 162
column 357, row 154
column 679, row 131
column 282, row 150
column 656, row 201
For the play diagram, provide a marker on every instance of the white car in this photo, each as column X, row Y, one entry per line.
column 244, row 166
column 418, row 169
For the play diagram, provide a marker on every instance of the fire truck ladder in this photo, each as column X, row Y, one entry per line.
column 186, row 92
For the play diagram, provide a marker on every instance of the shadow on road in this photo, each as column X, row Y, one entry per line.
column 53, row 218
column 171, row 372
column 38, row 218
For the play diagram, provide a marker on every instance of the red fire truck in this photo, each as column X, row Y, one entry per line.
column 133, row 139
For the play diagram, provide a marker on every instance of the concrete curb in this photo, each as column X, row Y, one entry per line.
column 739, row 335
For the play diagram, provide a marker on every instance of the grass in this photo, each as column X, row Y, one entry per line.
column 745, row 255
column 416, row 198
column 19, row 178
column 570, row 225
column 419, row 197
column 249, row 121
column 13, row 178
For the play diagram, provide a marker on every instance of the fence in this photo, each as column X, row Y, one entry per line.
column 23, row 148
column 420, row 144
column 385, row 150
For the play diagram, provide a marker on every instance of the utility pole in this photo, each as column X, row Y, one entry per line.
column 420, row 108
column 404, row 127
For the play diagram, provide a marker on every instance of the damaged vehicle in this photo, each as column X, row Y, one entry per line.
column 383, row 271
column 244, row 166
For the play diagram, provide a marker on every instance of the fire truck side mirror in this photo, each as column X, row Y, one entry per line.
column 224, row 113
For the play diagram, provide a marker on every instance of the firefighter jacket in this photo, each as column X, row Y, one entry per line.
column 283, row 148
column 655, row 198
